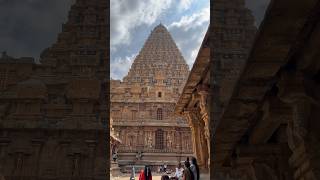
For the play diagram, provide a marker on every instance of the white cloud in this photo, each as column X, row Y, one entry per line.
column 192, row 21
column 189, row 32
column 120, row 66
column 194, row 49
column 184, row 4
column 128, row 14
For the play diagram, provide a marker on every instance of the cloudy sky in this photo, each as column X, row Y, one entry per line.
column 186, row 20
column 29, row 26
column 133, row 20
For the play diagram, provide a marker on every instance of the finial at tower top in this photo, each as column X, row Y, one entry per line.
column 160, row 25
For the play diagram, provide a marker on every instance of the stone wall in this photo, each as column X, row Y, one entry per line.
column 53, row 115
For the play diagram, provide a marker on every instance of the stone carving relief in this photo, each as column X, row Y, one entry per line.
column 294, row 91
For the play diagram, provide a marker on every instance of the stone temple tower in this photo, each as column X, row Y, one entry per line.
column 53, row 115
column 142, row 105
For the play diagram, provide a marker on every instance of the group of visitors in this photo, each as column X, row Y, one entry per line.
column 189, row 172
column 163, row 168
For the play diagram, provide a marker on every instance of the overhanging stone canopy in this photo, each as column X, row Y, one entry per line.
column 196, row 90
column 270, row 128
column 230, row 36
column 269, row 54
column 264, row 117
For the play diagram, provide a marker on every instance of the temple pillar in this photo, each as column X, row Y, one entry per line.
column 303, row 133
column 203, row 91
column 199, row 142
column 114, row 168
column 194, row 133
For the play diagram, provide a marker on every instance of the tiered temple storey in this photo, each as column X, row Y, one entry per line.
column 142, row 105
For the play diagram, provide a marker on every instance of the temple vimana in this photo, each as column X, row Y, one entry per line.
column 142, row 106
column 53, row 114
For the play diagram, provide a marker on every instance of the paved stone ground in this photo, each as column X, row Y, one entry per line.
column 127, row 177
column 154, row 177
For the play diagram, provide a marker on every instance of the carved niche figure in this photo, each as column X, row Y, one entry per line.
column 18, row 163
column 76, row 165
column 139, row 155
column 130, row 141
column 169, row 141
column 114, row 156
column 150, row 142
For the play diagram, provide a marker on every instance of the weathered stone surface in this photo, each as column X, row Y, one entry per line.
column 268, row 50
column 142, row 105
column 193, row 104
column 277, row 82
column 53, row 115
column 269, row 112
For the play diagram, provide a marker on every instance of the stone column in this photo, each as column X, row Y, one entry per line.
column 194, row 133
column 198, row 140
column 204, row 111
column 303, row 128
column 204, row 147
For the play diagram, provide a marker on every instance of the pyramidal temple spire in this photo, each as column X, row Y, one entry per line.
column 159, row 55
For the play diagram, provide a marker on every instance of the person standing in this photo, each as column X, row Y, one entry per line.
column 133, row 174
column 141, row 174
column 195, row 168
column 187, row 173
column 178, row 173
column 145, row 174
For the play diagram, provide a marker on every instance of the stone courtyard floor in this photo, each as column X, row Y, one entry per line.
column 154, row 177
column 127, row 177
